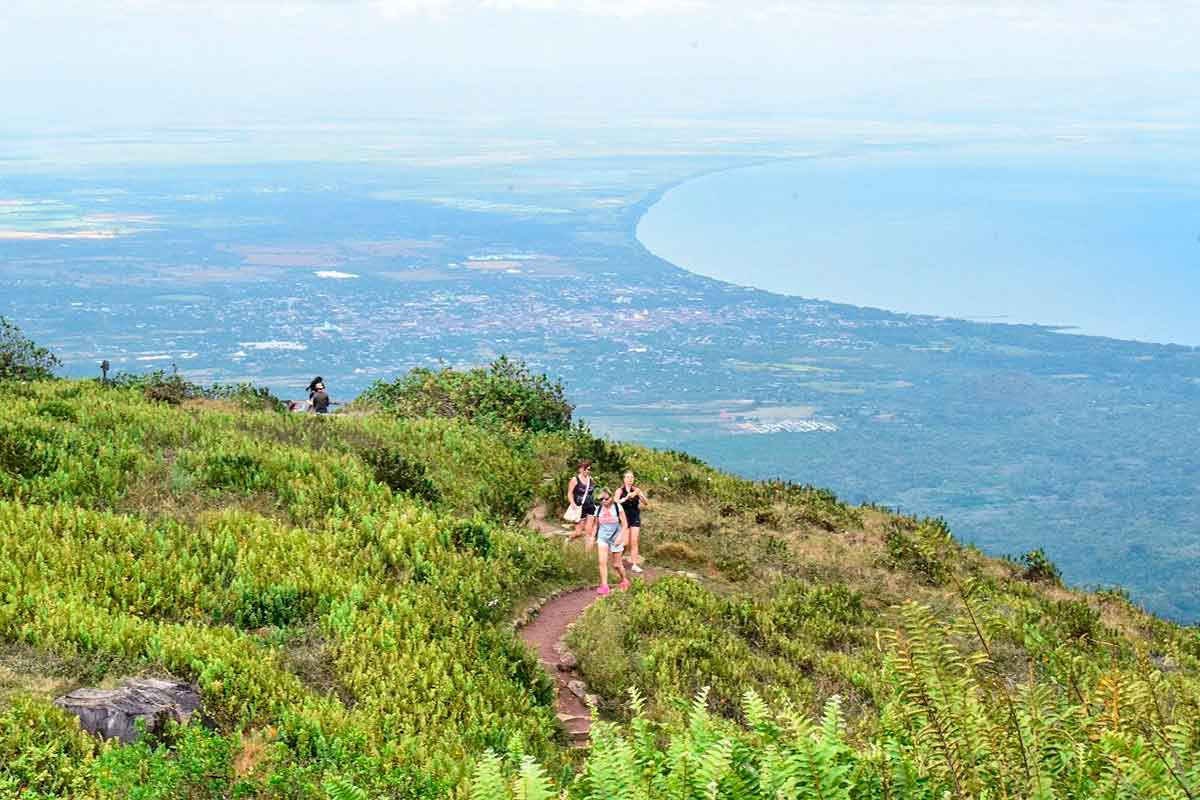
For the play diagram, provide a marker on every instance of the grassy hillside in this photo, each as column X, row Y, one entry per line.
column 340, row 589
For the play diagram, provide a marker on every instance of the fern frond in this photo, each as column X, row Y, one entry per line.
column 488, row 780
column 342, row 789
column 531, row 782
column 758, row 716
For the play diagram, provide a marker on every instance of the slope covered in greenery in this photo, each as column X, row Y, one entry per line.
column 340, row 590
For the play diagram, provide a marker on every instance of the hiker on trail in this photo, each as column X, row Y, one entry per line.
column 610, row 538
column 631, row 499
column 313, row 385
column 580, row 493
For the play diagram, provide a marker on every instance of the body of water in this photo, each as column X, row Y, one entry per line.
column 1098, row 249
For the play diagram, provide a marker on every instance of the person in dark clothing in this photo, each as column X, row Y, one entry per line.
column 315, row 384
column 580, row 492
column 632, row 499
column 320, row 400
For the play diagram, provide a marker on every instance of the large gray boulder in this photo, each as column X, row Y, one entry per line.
column 113, row 713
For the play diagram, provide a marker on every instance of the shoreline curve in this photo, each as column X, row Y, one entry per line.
column 636, row 213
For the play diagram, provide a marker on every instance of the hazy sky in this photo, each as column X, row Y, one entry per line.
column 81, row 63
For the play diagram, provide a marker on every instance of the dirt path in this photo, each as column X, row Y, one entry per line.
column 536, row 519
column 545, row 635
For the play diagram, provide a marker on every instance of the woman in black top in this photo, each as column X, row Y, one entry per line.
column 316, row 383
column 580, row 491
column 632, row 499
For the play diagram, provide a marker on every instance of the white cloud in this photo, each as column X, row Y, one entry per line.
column 443, row 9
column 397, row 9
column 179, row 60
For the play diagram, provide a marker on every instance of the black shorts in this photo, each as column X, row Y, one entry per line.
column 588, row 509
column 633, row 516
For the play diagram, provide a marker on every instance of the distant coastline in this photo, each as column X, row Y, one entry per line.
column 1089, row 321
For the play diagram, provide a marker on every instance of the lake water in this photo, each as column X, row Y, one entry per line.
column 1099, row 248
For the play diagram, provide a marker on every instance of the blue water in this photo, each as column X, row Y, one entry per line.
column 1097, row 248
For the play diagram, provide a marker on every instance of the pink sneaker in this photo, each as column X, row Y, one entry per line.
column 603, row 590
column 624, row 585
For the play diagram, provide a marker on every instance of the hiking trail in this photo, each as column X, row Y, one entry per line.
column 545, row 634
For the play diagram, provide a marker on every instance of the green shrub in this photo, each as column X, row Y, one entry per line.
column 21, row 359
column 274, row 605
column 918, row 548
column 1038, row 568
column 1071, row 619
column 246, row 395
column 401, row 473
column 831, row 615
column 28, row 451
column 238, row 471
column 189, row 762
column 505, row 393
column 173, row 389
column 1114, row 594
column 57, row 410
column 474, row 534
column 158, row 386
column 43, row 753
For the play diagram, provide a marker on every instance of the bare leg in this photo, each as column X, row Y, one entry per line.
column 580, row 527
column 604, row 565
column 617, row 565
column 590, row 530
column 634, row 556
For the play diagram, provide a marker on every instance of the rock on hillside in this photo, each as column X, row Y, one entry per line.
column 114, row 713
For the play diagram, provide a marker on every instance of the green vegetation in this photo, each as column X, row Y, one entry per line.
column 173, row 389
column 339, row 589
column 504, row 393
column 20, row 358
column 212, row 543
column 1038, row 567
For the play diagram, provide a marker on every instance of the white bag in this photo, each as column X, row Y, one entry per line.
column 573, row 514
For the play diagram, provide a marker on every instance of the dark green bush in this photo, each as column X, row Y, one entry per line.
column 1070, row 619
column 275, row 605
column 830, row 615
column 409, row 476
column 57, row 410
column 158, row 386
column 506, row 499
column 1038, row 568
column 238, row 471
column 21, row 359
column 608, row 459
column 907, row 549
column 246, row 395
column 28, row 451
column 505, row 393
column 173, row 389
column 474, row 534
